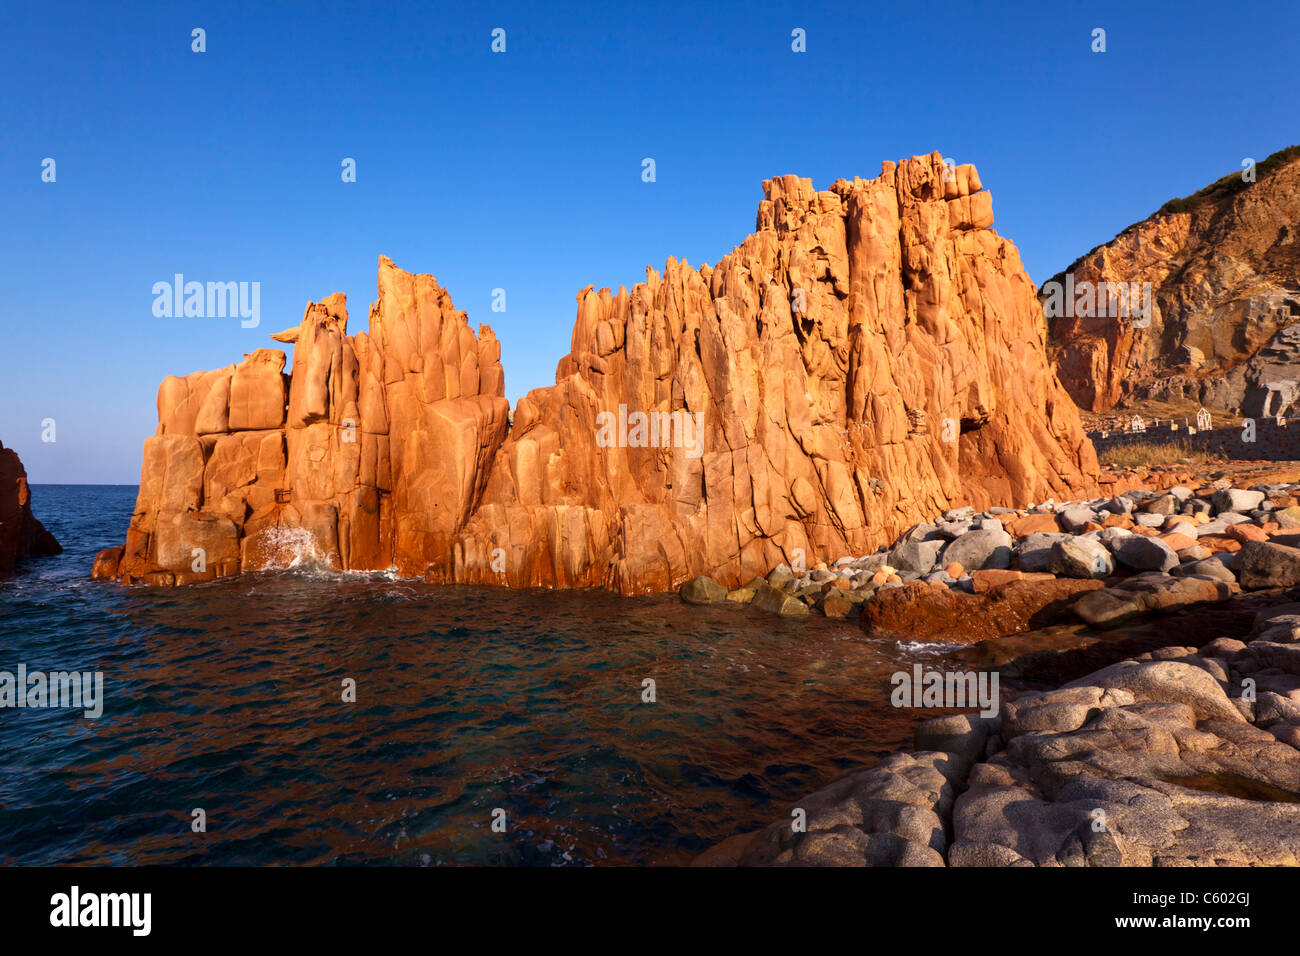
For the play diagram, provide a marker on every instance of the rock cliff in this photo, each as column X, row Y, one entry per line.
column 1223, row 271
column 872, row 354
column 21, row 535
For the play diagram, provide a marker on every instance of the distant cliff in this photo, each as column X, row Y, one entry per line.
column 21, row 535
column 871, row 355
column 1223, row 270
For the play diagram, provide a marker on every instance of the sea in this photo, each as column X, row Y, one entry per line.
column 309, row 717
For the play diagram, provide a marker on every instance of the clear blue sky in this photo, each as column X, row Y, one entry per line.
column 523, row 170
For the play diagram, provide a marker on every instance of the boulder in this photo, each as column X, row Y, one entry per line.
column 1033, row 553
column 1265, row 564
column 1144, row 554
column 703, row 590
column 915, row 555
column 1080, row 558
column 768, row 598
column 1075, row 517
column 980, row 549
column 1236, row 500
column 1170, row 681
column 1149, row 593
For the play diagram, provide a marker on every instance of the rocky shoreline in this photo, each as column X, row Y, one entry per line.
column 1182, row 755
column 1177, row 757
column 968, row 576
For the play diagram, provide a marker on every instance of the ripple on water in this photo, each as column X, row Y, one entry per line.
column 227, row 696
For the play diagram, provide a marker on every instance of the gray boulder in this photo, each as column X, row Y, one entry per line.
column 915, row 555
column 1035, row 550
column 1164, row 505
column 1263, row 564
column 1207, row 568
column 1080, row 558
column 1236, row 499
column 980, row 550
column 1076, row 516
column 1144, row 554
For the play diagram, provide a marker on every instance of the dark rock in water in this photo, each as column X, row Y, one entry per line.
column 703, row 590
column 21, row 535
column 745, row 593
column 768, row 598
column 890, row 815
column 836, row 604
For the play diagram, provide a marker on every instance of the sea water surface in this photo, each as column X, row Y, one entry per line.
column 227, row 697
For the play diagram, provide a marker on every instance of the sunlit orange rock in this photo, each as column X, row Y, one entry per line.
column 870, row 356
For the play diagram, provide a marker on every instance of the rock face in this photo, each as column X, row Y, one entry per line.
column 1222, row 267
column 873, row 353
column 21, row 535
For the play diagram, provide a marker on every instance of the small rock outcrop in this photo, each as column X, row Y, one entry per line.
column 872, row 354
column 21, row 535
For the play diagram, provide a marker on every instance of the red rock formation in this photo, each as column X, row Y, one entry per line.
column 21, row 535
column 871, row 355
column 1221, row 267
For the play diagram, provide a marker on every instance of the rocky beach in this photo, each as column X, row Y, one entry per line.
column 1182, row 755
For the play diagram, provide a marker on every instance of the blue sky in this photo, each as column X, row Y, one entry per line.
column 522, row 170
